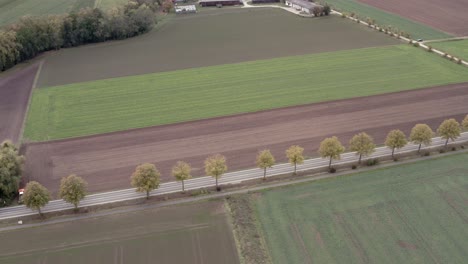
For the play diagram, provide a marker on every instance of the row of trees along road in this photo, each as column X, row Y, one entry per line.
column 147, row 177
column 32, row 35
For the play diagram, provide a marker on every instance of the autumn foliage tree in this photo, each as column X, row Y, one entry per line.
column 421, row 134
column 449, row 129
column 11, row 164
column 362, row 144
column 265, row 160
column 215, row 166
column 465, row 123
column 331, row 148
column 295, row 155
column 73, row 189
column 36, row 196
column 181, row 172
column 145, row 178
column 396, row 139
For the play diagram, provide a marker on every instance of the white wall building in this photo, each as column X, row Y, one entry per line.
column 301, row 5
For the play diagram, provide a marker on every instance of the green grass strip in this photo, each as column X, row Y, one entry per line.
column 382, row 18
column 413, row 213
column 162, row 98
column 459, row 48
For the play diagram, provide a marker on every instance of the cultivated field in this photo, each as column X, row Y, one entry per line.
column 417, row 30
column 170, row 97
column 107, row 161
column 448, row 16
column 211, row 37
column 414, row 213
column 179, row 234
column 14, row 93
column 458, row 48
column 11, row 10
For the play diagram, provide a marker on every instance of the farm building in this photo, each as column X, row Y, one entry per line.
column 220, row 2
column 264, row 1
column 301, row 5
column 185, row 9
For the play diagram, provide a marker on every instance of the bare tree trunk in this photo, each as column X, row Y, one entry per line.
column 216, row 183
column 329, row 164
column 39, row 209
column 295, row 166
column 264, row 173
column 360, row 156
column 446, row 142
column 147, row 195
column 183, row 186
column 393, row 151
column 419, row 149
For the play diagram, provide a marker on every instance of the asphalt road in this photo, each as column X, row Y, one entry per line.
column 203, row 182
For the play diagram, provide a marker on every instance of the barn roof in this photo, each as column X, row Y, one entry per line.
column 302, row 3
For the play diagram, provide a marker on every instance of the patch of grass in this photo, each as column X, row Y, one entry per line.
column 11, row 10
column 413, row 213
column 170, row 97
column 387, row 19
column 251, row 245
column 458, row 48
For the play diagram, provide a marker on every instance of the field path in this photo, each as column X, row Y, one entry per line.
column 15, row 90
column 106, row 161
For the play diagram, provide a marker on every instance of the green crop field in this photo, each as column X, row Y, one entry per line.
column 459, row 48
column 179, row 234
column 162, row 98
column 11, row 10
column 413, row 213
column 383, row 18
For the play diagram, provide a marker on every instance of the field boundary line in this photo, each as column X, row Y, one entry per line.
column 33, row 86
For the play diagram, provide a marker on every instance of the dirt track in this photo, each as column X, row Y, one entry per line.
column 14, row 95
column 106, row 161
column 449, row 16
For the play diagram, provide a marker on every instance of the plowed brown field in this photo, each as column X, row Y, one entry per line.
column 14, row 96
column 449, row 16
column 106, row 161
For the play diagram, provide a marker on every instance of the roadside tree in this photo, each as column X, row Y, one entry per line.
column 421, row 134
column 36, row 196
column 396, row 139
column 363, row 144
column 265, row 160
column 331, row 148
column 317, row 11
column 181, row 172
column 465, row 123
column 73, row 189
column 10, row 171
column 295, row 156
column 326, row 10
column 449, row 129
column 215, row 166
column 145, row 178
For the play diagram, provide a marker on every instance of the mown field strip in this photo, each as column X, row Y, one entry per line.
column 414, row 213
column 383, row 18
column 170, row 97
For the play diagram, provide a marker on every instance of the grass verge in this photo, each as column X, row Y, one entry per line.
column 458, row 48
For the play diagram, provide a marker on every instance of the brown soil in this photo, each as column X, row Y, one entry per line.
column 106, row 161
column 14, row 96
column 449, row 16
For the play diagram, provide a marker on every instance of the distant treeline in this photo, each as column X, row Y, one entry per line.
column 32, row 35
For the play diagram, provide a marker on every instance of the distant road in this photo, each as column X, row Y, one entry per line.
column 203, row 182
